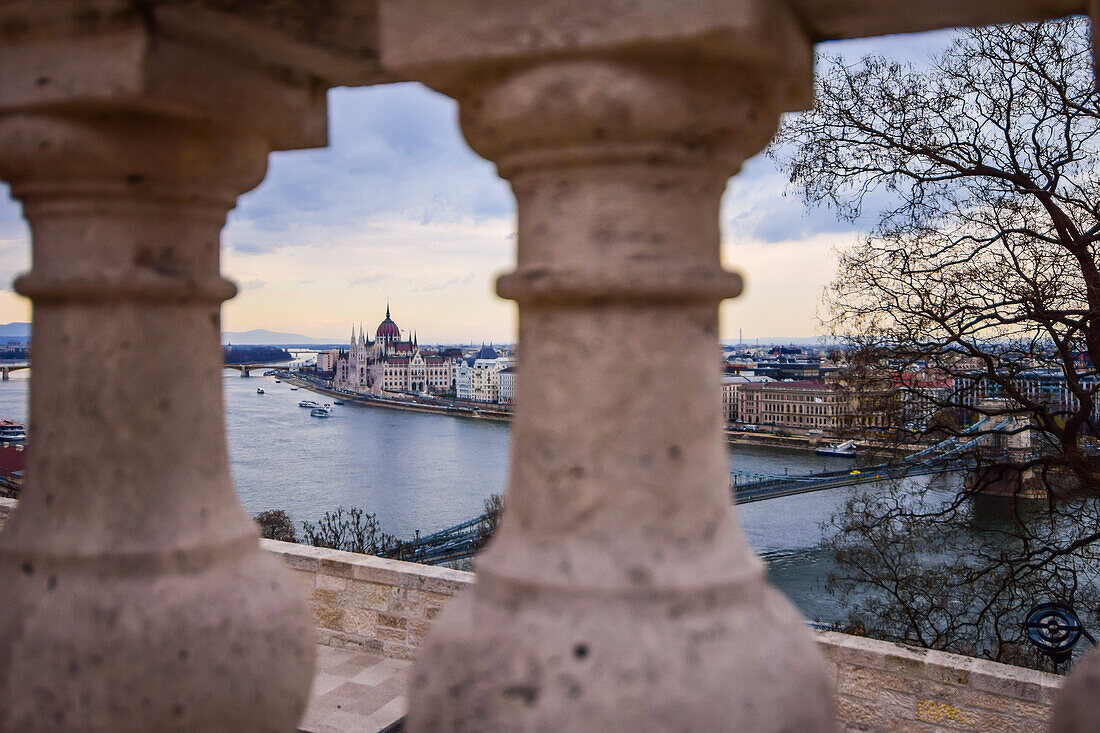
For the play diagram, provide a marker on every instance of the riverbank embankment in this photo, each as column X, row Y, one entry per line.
column 499, row 414
column 453, row 410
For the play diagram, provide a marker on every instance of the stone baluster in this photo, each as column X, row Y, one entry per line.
column 135, row 596
column 619, row 593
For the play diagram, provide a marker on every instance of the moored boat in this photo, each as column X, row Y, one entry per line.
column 847, row 449
column 12, row 432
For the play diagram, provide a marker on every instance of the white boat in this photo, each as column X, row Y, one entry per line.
column 309, row 403
column 847, row 449
column 12, row 432
column 260, row 390
column 320, row 412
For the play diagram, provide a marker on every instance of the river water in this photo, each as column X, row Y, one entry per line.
column 426, row 472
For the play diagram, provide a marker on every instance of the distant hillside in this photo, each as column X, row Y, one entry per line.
column 261, row 336
column 20, row 332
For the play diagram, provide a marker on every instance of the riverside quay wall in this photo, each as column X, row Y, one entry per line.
column 386, row 606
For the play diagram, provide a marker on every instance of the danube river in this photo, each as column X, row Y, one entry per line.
column 426, row 472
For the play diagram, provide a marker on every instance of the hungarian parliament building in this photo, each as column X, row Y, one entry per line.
column 390, row 364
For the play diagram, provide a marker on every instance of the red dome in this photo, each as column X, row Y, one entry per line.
column 387, row 329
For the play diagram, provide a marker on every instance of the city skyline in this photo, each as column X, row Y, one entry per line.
column 399, row 209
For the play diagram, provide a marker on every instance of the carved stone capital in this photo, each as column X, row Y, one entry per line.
column 698, row 113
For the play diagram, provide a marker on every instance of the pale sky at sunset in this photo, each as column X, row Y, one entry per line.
column 398, row 208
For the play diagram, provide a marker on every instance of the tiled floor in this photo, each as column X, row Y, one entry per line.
column 354, row 692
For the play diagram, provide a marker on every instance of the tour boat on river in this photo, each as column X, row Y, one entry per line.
column 309, row 403
column 260, row 390
column 325, row 411
column 12, row 432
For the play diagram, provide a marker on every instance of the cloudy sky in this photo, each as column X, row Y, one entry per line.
column 398, row 209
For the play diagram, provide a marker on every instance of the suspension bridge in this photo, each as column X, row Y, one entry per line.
column 462, row 540
column 951, row 454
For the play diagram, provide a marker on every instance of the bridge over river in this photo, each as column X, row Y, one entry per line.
column 7, row 369
column 461, row 541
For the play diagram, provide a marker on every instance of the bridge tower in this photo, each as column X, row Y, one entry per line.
column 1002, row 452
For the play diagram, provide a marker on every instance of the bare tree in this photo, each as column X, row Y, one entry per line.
column 490, row 520
column 275, row 524
column 352, row 531
column 975, row 295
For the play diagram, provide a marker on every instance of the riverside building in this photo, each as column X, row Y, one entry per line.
column 798, row 406
column 479, row 377
column 392, row 364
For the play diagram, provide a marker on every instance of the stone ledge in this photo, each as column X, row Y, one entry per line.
column 882, row 684
column 386, row 606
column 369, row 568
column 383, row 606
column 7, row 506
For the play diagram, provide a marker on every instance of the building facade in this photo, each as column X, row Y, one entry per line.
column 731, row 385
column 392, row 364
column 797, row 406
column 478, row 377
column 507, row 385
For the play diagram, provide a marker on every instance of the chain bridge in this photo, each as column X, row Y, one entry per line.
column 461, row 540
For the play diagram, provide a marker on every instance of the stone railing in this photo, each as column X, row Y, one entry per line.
column 128, row 130
column 7, row 506
column 885, row 686
column 380, row 606
column 386, row 606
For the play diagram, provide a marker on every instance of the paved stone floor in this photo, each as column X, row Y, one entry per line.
column 353, row 691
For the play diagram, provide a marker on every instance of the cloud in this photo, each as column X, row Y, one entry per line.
column 395, row 152
column 400, row 196
column 759, row 206
column 364, row 280
column 464, row 280
column 12, row 223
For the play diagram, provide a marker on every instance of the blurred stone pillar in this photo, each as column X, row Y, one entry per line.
column 619, row 593
column 135, row 596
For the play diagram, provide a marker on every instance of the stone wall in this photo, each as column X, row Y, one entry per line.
column 385, row 607
column 370, row 603
column 884, row 686
column 7, row 506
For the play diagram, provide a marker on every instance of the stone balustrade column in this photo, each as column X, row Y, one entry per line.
column 619, row 593
column 135, row 594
